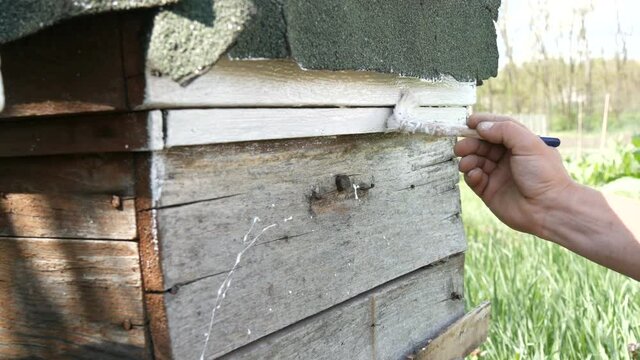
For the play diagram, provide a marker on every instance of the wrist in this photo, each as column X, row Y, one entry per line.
column 558, row 209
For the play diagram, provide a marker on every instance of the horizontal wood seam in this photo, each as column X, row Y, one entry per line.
column 369, row 293
column 18, row 237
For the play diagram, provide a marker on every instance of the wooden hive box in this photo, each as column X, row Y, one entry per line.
column 257, row 210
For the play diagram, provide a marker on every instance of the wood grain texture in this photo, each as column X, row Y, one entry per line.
column 67, row 216
column 82, row 134
column 70, row 196
column 146, row 221
column 327, row 246
column 461, row 338
column 282, row 83
column 107, row 174
column 62, row 299
column 211, row 126
column 73, row 67
column 1, row 88
column 388, row 322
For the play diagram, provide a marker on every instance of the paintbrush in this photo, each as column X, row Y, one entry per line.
column 406, row 118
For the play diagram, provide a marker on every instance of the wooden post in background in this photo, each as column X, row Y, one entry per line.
column 605, row 118
column 580, row 121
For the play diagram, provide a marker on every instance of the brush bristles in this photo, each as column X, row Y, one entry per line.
column 405, row 118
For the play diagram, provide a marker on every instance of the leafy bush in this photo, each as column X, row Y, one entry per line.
column 598, row 169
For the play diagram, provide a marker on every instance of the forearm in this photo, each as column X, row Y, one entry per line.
column 597, row 227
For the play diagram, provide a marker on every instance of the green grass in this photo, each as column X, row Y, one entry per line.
column 547, row 303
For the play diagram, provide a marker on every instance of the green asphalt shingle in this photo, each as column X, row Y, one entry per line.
column 422, row 38
column 19, row 18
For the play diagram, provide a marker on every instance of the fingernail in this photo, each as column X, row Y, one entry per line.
column 484, row 126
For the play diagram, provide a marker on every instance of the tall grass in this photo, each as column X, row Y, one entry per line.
column 547, row 303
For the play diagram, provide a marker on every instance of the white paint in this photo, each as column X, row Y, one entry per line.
column 212, row 126
column 282, row 83
column 409, row 117
column 222, row 290
column 155, row 132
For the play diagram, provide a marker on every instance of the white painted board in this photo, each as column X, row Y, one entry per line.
column 211, row 126
column 281, row 83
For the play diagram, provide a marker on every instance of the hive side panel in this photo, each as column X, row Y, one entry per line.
column 388, row 322
column 107, row 174
column 70, row 298
column 126, row 132
column 62, row 294
column 314, row 245
column 68, row 197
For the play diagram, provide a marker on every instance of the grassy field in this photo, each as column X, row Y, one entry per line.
column 547, row 303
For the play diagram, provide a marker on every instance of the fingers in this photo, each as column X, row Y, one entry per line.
column 470, row 146
column 477, row 118
column 471, row 162
column 477, row 180
column 517, row 138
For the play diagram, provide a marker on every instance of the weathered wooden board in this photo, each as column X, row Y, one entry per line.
column 62, row 299
column 210, row 126
column 282, row 83
column 70, row 196
column 82, row 134
column 460, row 338
column 327, row 245
column 75, row 66
column 107, row 174
column 1, row 88
column 67, row 216
column 388, row 322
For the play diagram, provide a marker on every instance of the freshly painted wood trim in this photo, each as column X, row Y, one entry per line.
column 63, row 299
column 140, row 131
column 327, row 245
column 385, row 323
column 281, row 83
column 67, row 216
column 460, row 338
column 211, row 126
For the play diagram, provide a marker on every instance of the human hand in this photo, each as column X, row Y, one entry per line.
column 512, row 170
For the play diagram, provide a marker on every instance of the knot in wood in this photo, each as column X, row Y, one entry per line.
column 343, row 182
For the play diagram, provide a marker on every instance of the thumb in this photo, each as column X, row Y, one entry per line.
column 514, row 137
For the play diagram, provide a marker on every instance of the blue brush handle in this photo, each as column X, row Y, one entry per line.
column 551, row 141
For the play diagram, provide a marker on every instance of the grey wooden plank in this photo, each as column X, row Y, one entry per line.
column 281, row 83
column 460, row 338
column 211, row 126
column 388, row 322
column 63, row 299
column 327, row 246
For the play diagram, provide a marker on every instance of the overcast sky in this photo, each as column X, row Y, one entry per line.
column 601, row 24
